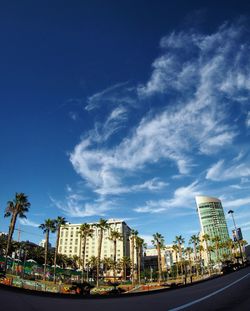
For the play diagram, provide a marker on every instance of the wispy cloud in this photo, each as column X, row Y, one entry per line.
column 248, row 119
column 219, row 171
column 116, row 94
column 196, row 76
column 150, row 185
column 183, row 197
column 73, row 206
column 237, row 203
column 27, row 222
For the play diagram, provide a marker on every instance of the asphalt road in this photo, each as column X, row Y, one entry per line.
column 230, row 292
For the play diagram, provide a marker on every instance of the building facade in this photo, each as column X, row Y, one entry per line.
column 70, row 242
column 167, row 259
column 213, row 222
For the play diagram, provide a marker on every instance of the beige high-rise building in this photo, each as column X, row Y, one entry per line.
column 69, row 243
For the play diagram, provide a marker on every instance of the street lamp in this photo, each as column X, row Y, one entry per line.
column 236, row 235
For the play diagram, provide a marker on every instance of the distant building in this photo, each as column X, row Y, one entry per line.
column 213, row 222
column 70, row 242
column 151, row 255
column 43, row 242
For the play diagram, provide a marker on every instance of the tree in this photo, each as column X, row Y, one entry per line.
column 47, row 227
column 217, row 240
column 176, row 250
column 194, row 239
column 200, row 249
column 133, row 235
column 107, row 263
column 92, row 264
column 139, row 246
column 115, row 236
column 179, row 240
column 16, row 208
column 206, row 238
column 85, row 232
column 125, row 262
column 158, row 242
column 62, row 260
column 189, row 251
column 76, row 261
column 59, row 222
column 101, row 227
column 229, row 244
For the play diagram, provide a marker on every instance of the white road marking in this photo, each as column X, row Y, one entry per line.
column 208, row 296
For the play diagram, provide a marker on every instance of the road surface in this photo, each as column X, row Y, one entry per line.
column 230, row 292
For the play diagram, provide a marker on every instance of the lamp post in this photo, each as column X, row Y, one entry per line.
column 236, row 235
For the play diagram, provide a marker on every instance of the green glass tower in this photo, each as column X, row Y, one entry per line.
column 213, row 223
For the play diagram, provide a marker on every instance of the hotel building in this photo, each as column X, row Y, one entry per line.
column 69, row 243
column 213, row 222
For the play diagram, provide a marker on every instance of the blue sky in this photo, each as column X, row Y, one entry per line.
column 125, row 109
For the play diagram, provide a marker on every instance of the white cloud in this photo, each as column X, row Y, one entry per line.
column 27, row 222
column 113, row 124
column 219, row 172
column 183, row 197
column 74, row 206
column 248, row 119
column 195, row 68
column 150, row 185
column 115, row 94
column 237, row 203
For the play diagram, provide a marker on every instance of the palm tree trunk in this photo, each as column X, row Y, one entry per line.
column 99, row 258
column 83, row 256
column 217, row 254
column 124, row 272
column 132, row 259
column 180, row 253
column 139, row 266
column 114, row 267
column 177, row 265
column 46, row 254
column 159, row 262
column 10, row 234
column 56, row 252
column 208, row 258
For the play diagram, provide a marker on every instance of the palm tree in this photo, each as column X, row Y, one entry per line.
column 62, row 260
column 76, row 261
column 217, row 244
column 107, row 263
column 194, row 239
column 47, row 227
column 158, row 242
column 125, row 262
column 139, row 246
column 188, row 251
column 200, row 249
column 229, row 244
column 133, row 234
column 59, row 222
column 176, row 250
column 16, row 208
column 206, row 238
column 115, row 236
column 92, row 264
column 85, row 232
column 179, row 240
column 101, row 226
